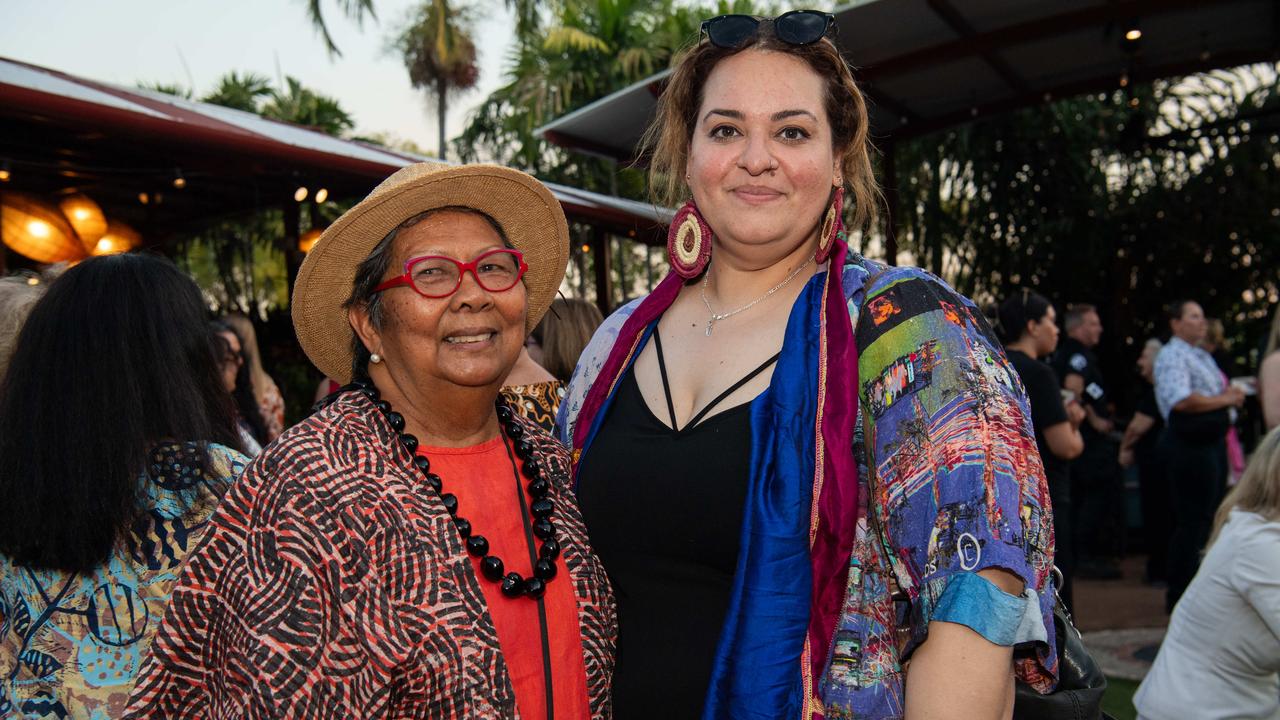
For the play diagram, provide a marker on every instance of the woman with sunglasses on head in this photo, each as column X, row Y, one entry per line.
column 411, row 549
column 804, row 471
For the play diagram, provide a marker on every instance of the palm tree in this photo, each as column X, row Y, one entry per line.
column 301, row 106
column 354, row 9
column 584, row 50
column 242, row 92
column 528, row 18
column 439, row 54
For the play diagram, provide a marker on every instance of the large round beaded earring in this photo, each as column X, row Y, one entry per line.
column 832, row 226
column 689, row 242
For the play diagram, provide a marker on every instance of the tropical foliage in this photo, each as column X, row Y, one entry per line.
column 301, row 106
column 1127, row 200
column 250, row 92
column 242, row 92
column 354, row 9
column 576, row 52
column 439, row 54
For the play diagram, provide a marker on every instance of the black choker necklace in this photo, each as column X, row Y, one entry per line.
column 540, row 507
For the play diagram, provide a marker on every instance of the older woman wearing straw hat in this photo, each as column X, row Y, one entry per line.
column 409, row 550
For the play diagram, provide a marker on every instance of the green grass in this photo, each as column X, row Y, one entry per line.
column 1119, row 699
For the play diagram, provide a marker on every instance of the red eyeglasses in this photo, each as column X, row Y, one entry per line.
column 437, row 276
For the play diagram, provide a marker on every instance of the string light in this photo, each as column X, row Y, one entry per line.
column 1132, row 32
column 321, row 196
column 179, row 182
column 300, row 194
column 5, row 174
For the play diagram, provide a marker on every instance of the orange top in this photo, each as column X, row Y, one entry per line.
column 496, row 504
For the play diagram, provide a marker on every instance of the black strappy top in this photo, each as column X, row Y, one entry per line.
column 663, row 508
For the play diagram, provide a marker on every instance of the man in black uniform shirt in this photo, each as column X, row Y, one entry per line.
column 1096, row 484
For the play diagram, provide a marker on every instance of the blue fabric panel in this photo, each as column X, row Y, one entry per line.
column 756, row 674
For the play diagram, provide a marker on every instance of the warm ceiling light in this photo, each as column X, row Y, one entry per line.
column 119, row 238
column 144, row 198
column 586, row 248
column 37, row 231
column 1133, row 35
column 300, row 194
column 86, row 218
column 308, row 239
column 4, row 173
column 322, row 195
column 179, row 182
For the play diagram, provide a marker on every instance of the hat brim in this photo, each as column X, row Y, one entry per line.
column 529, row 214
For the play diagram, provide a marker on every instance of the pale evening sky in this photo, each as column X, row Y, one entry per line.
column 126, row 42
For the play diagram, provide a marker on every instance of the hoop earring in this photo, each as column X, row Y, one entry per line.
column 832, row 227
column 375, row 358
column 689, row 242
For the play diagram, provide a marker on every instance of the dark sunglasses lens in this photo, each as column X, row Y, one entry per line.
column 801, row 27
column 731, row 31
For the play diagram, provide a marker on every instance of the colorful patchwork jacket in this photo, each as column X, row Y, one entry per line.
column 917, row 468
column 333, row 584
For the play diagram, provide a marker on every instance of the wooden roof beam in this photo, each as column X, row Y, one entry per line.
column 961, row 26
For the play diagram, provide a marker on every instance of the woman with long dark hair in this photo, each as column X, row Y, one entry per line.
column 115, row 446
column 265, row 391
column 237, row 378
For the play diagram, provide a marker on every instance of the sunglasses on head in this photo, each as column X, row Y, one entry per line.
column 798, row 27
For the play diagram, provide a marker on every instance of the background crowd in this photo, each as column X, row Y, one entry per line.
column 1191, row 405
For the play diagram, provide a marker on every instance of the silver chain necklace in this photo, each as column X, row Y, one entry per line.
column 716, row 317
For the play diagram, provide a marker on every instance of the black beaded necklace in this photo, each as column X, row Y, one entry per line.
column 541, row 507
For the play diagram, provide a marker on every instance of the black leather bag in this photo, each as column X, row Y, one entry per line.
column 1081, row 683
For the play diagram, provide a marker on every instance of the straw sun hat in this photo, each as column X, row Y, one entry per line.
column 527, row 211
